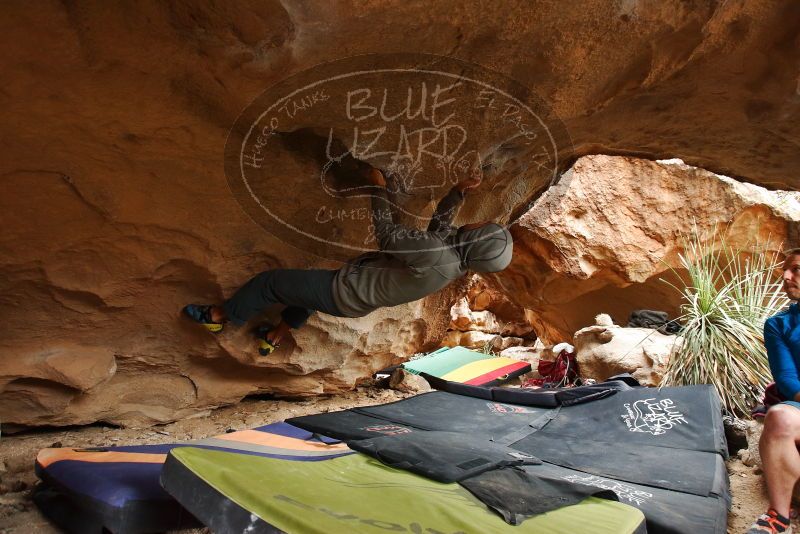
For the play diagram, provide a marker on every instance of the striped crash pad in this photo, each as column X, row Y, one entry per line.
column 231, row 492
column 459, row 364
column 117, row 489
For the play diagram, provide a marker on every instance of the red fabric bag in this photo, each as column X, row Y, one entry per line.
column 561, row 372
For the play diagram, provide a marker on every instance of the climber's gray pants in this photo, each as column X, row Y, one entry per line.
column 302, row 291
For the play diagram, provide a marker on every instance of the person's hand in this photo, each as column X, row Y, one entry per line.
column 375, row 177
column 469, row 183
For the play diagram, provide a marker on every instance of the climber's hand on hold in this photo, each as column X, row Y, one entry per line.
column 375, row 177
column 469, row 183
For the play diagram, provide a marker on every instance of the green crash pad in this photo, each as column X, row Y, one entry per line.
column 229, row 492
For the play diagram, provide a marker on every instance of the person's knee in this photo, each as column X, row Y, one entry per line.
column 782, row 421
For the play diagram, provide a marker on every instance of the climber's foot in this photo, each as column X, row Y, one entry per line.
column 209, row 316
column 267, row 342
column 270, row 337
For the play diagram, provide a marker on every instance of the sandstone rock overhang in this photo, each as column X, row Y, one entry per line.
column 115, row 210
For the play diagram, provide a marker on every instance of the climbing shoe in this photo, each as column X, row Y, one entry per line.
column 202, row 314
column 771, row 523
column 265, row 345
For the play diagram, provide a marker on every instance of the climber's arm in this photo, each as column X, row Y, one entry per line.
column 416, row 248
column 447, row 208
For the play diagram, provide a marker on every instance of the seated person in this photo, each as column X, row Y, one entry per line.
column 778, row 446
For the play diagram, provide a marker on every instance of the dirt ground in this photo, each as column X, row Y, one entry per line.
column 18, row 514
column 748, row 494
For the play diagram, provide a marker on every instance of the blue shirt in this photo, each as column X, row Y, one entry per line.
column 782, row 339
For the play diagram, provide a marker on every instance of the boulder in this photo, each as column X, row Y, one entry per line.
column 183, row 370
column 735, row 434
column 463, row 319
column 607, row 350
column 481, row 341
column 751, row 456
column 402, row 380
column 608, row 237
column 531, row 355
column 475, row 323
column 481, row 299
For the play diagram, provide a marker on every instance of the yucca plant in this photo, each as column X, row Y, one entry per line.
column 727, row 297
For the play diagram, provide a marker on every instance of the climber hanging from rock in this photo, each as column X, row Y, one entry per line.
column 410, row 265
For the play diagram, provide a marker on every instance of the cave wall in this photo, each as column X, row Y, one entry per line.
column 115, row 209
